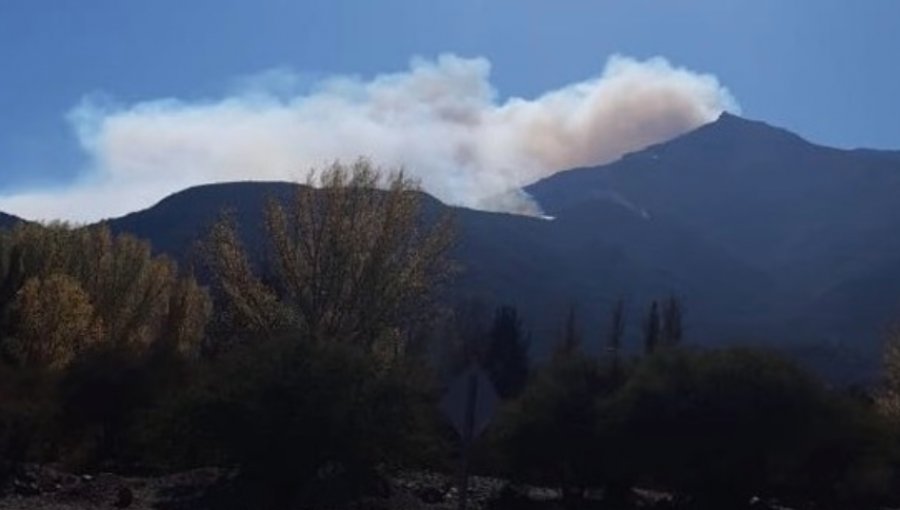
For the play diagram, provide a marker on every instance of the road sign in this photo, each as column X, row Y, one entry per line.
column 469, row 403
column 485, row 401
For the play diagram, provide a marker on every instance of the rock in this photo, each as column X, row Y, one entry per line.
column 26, row 487
column 124, row 498
column 430, row 495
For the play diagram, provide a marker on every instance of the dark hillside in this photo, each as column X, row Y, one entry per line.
column 765, row 236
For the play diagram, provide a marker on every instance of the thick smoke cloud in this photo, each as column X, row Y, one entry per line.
column 441, row 120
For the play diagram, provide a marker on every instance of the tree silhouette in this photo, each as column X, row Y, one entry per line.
column 506, row 359
column 64, row 288
column 571, row 338
column 616, row 333
column 354, row 260
column 672, row 322
column 54, row 321
column 652, row 329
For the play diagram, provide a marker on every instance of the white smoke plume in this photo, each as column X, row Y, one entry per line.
column 441, row 120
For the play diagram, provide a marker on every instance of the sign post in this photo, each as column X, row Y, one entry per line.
column 470, row 404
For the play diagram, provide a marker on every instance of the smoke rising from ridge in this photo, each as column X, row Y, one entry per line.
column 441, row 120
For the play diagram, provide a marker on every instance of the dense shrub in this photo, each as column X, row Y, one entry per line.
column 550, row 435
column 93, row 330
column 725, row 426
column 716, row 427
column 65, row 289
column 305, row 421
column 27, row 407
column 105, row 398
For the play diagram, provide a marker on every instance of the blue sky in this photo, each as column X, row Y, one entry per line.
column 827, row 69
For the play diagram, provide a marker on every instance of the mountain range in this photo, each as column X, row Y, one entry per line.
column 765, row 237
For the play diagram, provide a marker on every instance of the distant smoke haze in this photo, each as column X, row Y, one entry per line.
column 441, row 120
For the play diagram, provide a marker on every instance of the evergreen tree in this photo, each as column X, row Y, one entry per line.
column 571, row 339
column 616, row 333
column 652, row 329
column 672, row 328
column 506, row 359
column 471, row 326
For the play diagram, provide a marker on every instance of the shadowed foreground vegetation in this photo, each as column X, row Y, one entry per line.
column 311, row 372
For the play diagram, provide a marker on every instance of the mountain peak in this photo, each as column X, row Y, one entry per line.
column 733, row 122
column 730, row 131
column 727, row 116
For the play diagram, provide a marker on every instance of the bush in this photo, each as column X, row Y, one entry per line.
column 304, row 422
column 550, row 435
column 63, row 289
column 27, row 408
column 105, row 397
column 850, row 458
column 715, row 428
column 91, row 328
column 724, row 426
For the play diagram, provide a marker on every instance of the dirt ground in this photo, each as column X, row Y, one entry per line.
column 48, row 489
column 42, row 488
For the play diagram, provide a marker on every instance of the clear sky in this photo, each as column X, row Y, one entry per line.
column 827, row 69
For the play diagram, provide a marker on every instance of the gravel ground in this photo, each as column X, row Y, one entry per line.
column 42, row 488
column 48, row 489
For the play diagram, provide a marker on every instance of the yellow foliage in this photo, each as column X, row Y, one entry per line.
column 54, row 320
column 188, row 313
column 250, row 306
column 114, row 281
column 355, row 260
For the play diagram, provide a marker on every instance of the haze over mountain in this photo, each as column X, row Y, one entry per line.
column 768, row 239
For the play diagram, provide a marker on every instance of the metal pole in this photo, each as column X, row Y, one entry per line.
column 468, row 430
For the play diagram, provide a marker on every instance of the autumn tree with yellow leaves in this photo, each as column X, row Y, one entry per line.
column 63, row 289
column 353, row 260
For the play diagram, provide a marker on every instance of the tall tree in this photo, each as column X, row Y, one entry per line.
column 355, row 259
column 571, row 339
column 616, row 334
column 506, row 359
column 672, row 322
column 652, row 329
column 53, row 321
column 471, row 325
column 116, row 293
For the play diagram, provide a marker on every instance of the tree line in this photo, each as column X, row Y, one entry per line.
column 313, row 367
